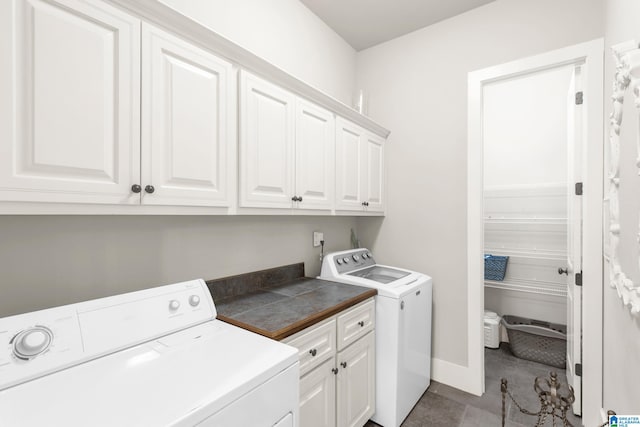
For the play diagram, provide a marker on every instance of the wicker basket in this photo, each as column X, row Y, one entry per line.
column 495, row 267
column 535, row 340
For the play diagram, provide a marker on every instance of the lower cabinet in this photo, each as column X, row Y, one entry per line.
column 337, row 384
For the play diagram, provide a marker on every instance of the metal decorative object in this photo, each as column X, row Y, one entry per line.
column 554, row 401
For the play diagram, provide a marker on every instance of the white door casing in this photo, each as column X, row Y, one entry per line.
column 267, row 137
column 314, row 154
column 575, row 165
column 187, row 122
column 70, row 109
column 590, row 54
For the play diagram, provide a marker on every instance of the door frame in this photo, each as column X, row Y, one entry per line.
column 590, row 54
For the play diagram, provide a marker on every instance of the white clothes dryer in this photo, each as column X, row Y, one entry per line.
column 403, row 329
column 157, row 357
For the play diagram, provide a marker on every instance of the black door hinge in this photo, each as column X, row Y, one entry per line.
column 578, row 189
column 579, row 98
column 579, row 279
column 578, row 369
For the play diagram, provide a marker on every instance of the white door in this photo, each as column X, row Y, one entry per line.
column 318, row 396
column 574, row 239
column 186, row 128
column 356, row 382
column 70, row 105
column 267, row 137
column 350, row 165
column 374, row 172
column 315, row 153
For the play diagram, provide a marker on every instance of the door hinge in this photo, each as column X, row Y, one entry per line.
column 578, row 369
column 579, row 279
column 578, row 189
column 579, row 98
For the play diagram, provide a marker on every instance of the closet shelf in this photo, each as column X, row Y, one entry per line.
column 547, row 255
column 532, row 287
column 525, row 220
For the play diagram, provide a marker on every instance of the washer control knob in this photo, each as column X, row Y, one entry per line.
column 364, row 255
column 356, row 258
column 339, row 261
column 194, row 300
column 32, row 342
column 368, row 254
column 174, row 304
column 346, row 260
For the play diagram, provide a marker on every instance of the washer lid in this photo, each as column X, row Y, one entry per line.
column 380, row 274
column 176, row 380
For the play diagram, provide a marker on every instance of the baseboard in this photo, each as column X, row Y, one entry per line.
column 454, row 375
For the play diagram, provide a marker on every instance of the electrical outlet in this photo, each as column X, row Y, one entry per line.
column 317, row 237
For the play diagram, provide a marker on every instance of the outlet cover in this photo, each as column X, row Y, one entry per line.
column 317, row 237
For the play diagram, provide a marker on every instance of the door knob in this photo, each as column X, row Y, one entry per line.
column 563, row 271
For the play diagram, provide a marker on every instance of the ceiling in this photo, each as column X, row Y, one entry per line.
column 366, row 23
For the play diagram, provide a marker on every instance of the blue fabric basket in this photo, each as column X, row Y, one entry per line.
column 495, row 267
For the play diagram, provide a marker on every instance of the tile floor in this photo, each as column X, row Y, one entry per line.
column 442, row 405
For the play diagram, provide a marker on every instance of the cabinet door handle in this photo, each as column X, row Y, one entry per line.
column 299, row 198
column 361, row 323
column 364, row 203
column 563, row 271
column 296, row 199
column 335, row 371
column 135, row 188
column 343, row 364
column 149, row 189
column 313, row 352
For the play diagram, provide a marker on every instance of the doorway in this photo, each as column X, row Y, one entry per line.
column 530, row 192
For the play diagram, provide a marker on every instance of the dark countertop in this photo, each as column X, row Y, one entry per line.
column 278, row 310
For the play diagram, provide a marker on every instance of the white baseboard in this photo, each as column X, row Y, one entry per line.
column 453, row 375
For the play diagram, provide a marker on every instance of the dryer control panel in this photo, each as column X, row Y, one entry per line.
column 38, row 343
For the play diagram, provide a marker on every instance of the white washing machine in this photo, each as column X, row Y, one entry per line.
column 403, row 329
column 156, row 357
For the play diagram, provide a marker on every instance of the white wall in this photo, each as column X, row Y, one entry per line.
column 51, row 260
column 525, row 129
column 621, row 333
column 285, row 33
column 417, row 86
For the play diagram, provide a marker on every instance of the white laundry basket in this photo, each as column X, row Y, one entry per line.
column 491, row 329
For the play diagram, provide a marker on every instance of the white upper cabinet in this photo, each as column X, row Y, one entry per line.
column 315, row 156
column 360, row 173
column 375, row 170
column 69, row 110
column 188, row 101
column 286, row 149
column 267, row 138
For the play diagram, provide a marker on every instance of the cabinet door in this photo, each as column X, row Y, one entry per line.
column 267, row 133
column 70, row 105
column 315, row 156
column 318, row 396
column 349, row 165
column 187, row 112
column 356, row 382
column 374, row 175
